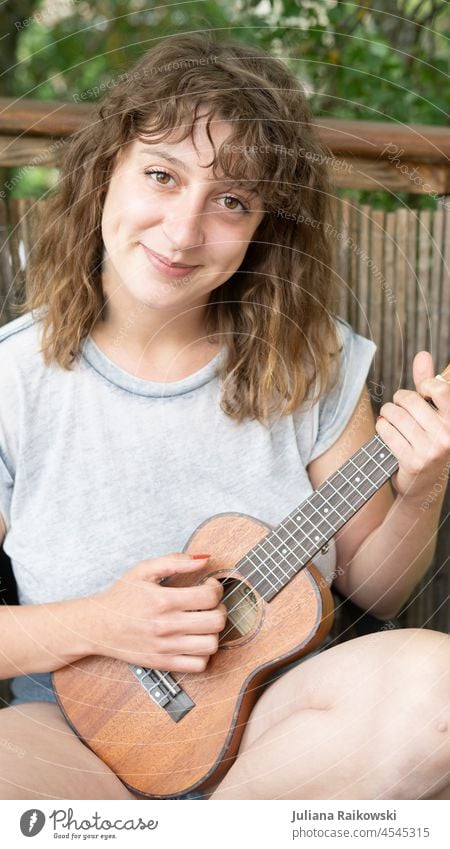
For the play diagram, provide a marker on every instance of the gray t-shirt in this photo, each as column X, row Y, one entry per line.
column 100, row 469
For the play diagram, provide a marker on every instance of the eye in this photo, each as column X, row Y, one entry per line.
column 243, row 208
column 157, row 171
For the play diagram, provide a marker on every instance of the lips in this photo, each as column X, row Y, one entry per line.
column 167, row 261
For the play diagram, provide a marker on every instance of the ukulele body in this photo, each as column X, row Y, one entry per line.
column 157, row 755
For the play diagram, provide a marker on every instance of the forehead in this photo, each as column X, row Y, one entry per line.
column 193, row 153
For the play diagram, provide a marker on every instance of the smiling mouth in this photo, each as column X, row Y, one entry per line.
column 166, row 261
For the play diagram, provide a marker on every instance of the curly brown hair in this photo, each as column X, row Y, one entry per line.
column 276, row 312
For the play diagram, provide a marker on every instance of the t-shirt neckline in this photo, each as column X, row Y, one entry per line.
column 113, row 373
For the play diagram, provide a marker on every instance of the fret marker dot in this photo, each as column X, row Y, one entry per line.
column 138, row 671
column 316, row 537
column 284, row 550
column 325, row 510
column 157, row 694
column 381, row 455
column 298, row 518
column 357, row 480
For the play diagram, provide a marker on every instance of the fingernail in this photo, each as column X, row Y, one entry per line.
column 200, row 556
column 379, row 417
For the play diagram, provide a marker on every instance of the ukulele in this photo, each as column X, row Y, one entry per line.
column 167, row 734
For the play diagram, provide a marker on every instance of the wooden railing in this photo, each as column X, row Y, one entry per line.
column 393, row 267
column 369, row 154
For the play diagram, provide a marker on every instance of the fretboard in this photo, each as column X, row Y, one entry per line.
column 286, row 549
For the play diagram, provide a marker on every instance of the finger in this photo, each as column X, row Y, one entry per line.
column 197, row 597
column 403, row 420
column 193, row 644
column 400, row 447
column 438, row 390
column 422, row 367
column 196, row 622
column 164, row 567
column 180, row 663
column 218, row 586
column 422, row 413
column 171, row 662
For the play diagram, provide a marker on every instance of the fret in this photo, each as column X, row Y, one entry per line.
column 279, row 534
column 285, row 542
column 360, row 476
column 342, row 499
column 328, row 492
column 286, row 549
column 316, row 518
column 268, row 571
column 324, row 509
column 264, row 587
column 382, row 455
column 268, row 541
column 284, row 546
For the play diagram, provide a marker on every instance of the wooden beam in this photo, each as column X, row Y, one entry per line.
column 367, row 139
column 374, row 139
column 382, row 175
column 29, row 151
column 42, row 117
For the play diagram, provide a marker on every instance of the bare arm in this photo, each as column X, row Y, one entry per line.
column 136, row 620
column 42, row 637
column 387, row 547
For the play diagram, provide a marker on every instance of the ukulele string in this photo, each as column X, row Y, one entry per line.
column 367, row 460
column 256, row 571
column 292, row 551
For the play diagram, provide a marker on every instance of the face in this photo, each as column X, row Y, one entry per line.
column 179, row 211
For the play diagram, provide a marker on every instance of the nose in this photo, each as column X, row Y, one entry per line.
column 184, row 223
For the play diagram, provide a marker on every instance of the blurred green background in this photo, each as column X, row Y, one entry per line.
column 377, row 61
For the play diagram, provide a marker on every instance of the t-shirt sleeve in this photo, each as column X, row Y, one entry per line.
column 335, row 408
column 6, row 489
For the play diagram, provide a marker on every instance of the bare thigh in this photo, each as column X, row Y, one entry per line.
column 42, row 758
column 378, row 705
column 408, row 668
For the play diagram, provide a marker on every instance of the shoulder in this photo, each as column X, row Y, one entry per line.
column 22, row 367
column 350, row 340
column 355, row 356
column 332, row 412
column 19, row 338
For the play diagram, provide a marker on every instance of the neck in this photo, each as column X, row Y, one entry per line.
column 141, row 331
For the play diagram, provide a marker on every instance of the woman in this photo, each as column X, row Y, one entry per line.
column 179, row 356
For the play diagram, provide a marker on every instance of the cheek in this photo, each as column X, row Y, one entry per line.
column 231, row 246
column 240, row 249
column 126, row 210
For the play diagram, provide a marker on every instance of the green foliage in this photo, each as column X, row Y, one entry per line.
column 372, row 61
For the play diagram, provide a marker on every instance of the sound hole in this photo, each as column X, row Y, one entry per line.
column 242, row 606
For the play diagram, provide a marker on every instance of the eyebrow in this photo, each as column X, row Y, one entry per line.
column 152, row 151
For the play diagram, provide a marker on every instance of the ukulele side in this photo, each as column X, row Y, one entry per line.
column 152, row 753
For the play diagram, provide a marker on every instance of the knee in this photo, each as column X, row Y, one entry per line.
column 430, row 677
column 417, row 712
column 10, row 746
column 425, row 669
column 12, row 765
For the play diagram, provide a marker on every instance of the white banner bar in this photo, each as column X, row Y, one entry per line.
column 189, row 824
